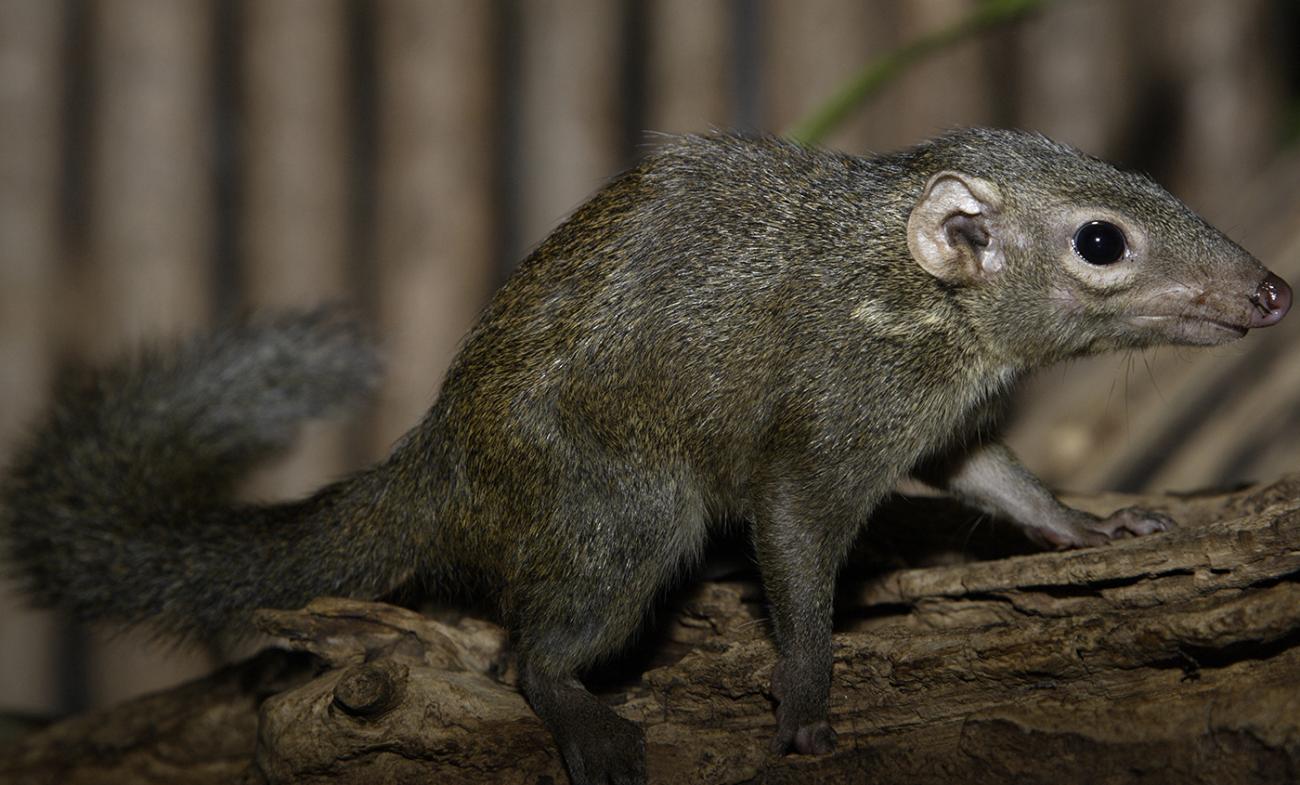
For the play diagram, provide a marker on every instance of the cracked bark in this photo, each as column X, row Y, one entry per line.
column 959, row 657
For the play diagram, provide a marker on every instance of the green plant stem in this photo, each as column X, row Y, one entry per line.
column 876, row 74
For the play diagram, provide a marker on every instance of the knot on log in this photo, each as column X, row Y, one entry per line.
column 371, row 689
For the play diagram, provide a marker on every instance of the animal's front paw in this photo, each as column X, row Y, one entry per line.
column 1134, row 521
column 1083, row 530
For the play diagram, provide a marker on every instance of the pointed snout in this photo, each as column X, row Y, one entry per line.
column 1271, row 300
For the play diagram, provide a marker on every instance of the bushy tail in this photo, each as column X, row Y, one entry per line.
column 120, row 506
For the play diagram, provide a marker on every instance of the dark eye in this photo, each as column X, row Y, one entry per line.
column 1099, row 242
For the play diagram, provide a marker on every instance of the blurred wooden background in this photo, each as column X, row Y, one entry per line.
column 165, row 163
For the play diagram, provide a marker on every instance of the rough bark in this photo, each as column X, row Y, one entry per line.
column 1172, row 658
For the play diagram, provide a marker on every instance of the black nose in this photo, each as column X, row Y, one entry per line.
column 1272, row 300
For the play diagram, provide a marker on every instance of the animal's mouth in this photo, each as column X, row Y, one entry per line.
column 1194, row 329
column 1214, row 316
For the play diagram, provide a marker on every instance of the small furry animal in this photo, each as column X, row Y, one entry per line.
column 739, row 328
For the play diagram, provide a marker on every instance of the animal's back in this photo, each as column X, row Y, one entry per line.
column 670, row 319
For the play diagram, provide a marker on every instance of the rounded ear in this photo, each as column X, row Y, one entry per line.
column 952, row 233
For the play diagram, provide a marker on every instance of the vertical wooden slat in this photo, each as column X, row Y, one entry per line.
column 1230, row 84
column 951, row 89
column 1075, row 78
column 689, row 79
column 150, row 188
column 30, row 96
column 149, row 239
column 816, row 46
column 810, row 48
column 571, row 134
column 294, row 206
column 434, row 259
column 295, row 151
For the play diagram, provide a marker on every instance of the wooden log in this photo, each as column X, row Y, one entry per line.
column 1171, row 658
column 201, row 733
